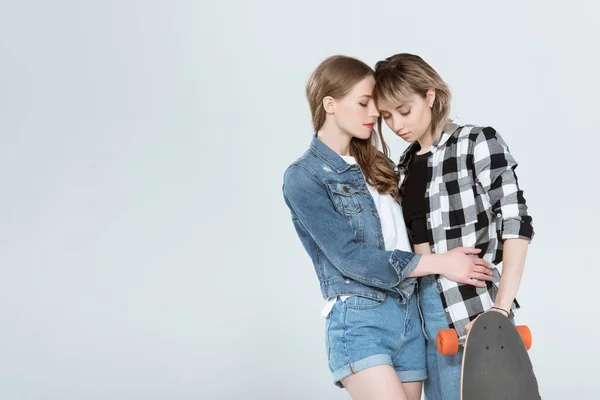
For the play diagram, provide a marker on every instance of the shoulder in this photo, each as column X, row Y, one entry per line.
column 468, row 131
column 301, row 173
column 476, row 133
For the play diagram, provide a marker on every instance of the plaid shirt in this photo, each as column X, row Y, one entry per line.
column 472, row 200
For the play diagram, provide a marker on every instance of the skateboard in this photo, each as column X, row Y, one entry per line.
column 495, row 362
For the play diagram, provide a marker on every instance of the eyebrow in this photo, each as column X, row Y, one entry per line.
column 366, row 95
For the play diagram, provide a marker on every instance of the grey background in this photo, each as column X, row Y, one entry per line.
column 145, row 248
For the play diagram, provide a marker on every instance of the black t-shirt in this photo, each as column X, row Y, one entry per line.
column 413, row 203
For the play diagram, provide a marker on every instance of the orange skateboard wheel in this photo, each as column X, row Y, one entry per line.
column 447, row 342
column 525, row 334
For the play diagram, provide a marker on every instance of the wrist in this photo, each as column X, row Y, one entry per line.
column 503, row 304
column 431, row 264
column 505, row 311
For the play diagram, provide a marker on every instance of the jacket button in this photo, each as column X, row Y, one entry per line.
column 347, row 281
column 345, row 188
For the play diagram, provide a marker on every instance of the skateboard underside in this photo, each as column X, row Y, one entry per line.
column 495, row 363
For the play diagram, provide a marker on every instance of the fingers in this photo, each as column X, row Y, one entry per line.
column 481, row 261
column 480, row 284
column 481, row 277
column 468, row 250
column 468, row 327
column 475, row 282
column 482, row 270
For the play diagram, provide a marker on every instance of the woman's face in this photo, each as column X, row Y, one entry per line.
column 355, row 113
column 411, row 119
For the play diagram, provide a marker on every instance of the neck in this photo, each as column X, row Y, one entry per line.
column 336, row 139
column 425, row 142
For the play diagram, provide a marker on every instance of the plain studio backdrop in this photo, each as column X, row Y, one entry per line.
column 145, row 248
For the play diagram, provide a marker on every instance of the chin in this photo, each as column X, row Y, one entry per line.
column 363, row 136
column 360, row 133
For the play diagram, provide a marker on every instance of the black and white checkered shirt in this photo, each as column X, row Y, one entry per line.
column 473, row 200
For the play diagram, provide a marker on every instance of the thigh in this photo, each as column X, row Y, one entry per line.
column 413, row 390
column 379, row 382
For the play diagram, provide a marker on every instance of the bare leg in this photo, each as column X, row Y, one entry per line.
column 413, row 390
column 380, row 382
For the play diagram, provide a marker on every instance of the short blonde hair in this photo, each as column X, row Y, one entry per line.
column 400, row 76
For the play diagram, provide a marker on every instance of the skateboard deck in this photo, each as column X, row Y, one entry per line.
column 495, row 362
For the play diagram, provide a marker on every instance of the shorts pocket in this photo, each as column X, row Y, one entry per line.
column 362, row 303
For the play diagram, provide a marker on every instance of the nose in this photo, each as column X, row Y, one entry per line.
column 397, row 125
column 373, row 111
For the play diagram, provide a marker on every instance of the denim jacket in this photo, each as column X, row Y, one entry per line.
column 338, row 225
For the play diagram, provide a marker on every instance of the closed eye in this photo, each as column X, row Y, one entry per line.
column 404, row 110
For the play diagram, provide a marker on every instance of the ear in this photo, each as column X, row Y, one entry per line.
column 329, row 104
column 430, row 97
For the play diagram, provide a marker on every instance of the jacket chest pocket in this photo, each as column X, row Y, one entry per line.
column 457, row 203
column 346, row 197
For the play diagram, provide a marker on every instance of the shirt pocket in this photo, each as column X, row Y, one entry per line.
column 346, row 197
column 457, row 203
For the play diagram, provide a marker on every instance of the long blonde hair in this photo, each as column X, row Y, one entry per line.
column 335, row 77
column 400, row 76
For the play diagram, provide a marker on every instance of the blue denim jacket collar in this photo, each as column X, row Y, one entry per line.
column 332, row 159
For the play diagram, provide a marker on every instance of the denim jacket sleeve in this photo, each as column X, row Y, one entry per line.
column 309, row 202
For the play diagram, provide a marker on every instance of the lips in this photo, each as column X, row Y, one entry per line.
column 370, row 126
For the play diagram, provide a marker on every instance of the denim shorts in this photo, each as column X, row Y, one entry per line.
column 361, row 333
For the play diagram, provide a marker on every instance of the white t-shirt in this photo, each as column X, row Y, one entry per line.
column 393, row 227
